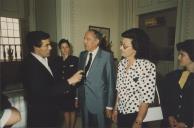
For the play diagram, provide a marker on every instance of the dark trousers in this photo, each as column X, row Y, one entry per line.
column 39, row 116
column 127, row 120
column 92, row 120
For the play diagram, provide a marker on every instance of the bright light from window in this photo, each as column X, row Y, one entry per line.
column 10, row 39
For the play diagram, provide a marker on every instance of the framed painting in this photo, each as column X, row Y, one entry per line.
column 103, row 30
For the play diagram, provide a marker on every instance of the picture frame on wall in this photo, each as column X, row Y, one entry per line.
column 105, row 31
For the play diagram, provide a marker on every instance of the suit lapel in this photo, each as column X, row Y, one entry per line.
column 41, row 65
column 83, row 60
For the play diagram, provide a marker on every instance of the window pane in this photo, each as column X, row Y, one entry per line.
column 10, row 33
column 3, row 25
column 17, row 40
column 1, row 52
column 18, row 50
column 15, row 20
column 3, row 19
column 16, row 34
column 6, row 48
column 10, row 25
column 9, row 20
column 5, row 41
column 1, row 40
column 11, row 40
column 16, row 26
column 4, row 33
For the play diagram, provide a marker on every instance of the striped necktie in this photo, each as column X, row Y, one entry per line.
column 89, row 63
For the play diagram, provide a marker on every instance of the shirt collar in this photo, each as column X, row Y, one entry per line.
column 40, row 58
column 94, row 52
column 133, row 66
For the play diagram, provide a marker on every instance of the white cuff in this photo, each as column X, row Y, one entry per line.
column 109, row 108
column 5, row 117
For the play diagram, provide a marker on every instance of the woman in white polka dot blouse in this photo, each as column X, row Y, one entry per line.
column 136, row 80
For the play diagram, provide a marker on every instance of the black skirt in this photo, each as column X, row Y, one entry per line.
column 66, row 102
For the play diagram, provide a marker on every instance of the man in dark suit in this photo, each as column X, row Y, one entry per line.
column 39, row 82
column 97, row 89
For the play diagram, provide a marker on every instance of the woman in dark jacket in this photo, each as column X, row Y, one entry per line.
column 178, row 100
column 65, row 66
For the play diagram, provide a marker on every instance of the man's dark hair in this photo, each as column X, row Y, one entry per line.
column 140, row 42
column 33, row 39
column 188, row 47
column 103, row 43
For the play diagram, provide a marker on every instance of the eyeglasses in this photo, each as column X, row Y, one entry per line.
column 124, row 46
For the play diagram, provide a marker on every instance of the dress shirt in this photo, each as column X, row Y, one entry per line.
column 5, row 117
column 94, row 52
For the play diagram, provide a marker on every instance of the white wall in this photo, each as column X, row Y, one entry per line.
column 132, row 9
column 185, row 24
column 103, row 13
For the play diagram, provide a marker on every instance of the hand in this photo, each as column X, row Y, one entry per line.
column 75, row 78
column 181, row 125
column 76, row 103
column 108, row 113
column 137, row 124
column 172, row 121
column 114, row 116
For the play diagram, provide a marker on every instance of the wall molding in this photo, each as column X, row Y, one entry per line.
column 153, row 5
column 32, row 15
column 14, row 10
column 64, row 19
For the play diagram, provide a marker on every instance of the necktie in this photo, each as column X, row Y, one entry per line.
column 183, row 78
column 89, row 63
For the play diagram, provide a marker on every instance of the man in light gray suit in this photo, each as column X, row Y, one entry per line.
column 97, row 89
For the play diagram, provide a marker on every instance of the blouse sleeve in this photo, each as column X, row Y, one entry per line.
column 147, row 88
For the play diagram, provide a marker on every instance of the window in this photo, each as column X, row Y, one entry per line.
column 10, row 39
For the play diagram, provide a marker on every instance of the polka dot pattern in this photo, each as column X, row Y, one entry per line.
column 135, row 85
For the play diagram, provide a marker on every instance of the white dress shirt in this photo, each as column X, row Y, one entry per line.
column 43, row 61
column 6, row 116
column 94, row 52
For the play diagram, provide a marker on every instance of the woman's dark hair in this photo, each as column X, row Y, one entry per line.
column 188, row 47
column 63, row 41
column 140, row 42
column 103, row 43
column 34, row 38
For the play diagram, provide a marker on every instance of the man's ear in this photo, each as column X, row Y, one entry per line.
column 98, row 42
